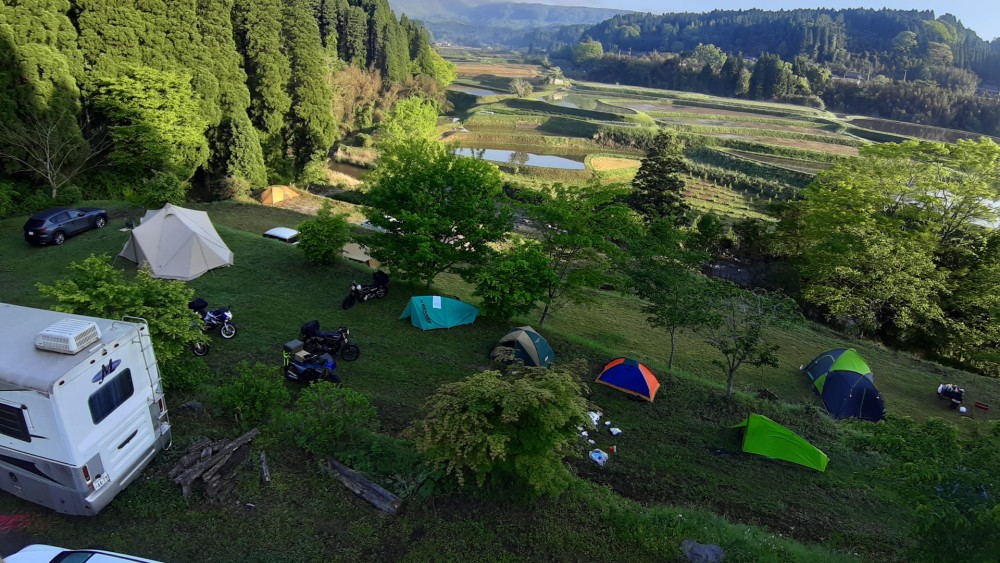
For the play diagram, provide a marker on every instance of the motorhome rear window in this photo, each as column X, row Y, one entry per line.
column 110, row 396
column 13, row 423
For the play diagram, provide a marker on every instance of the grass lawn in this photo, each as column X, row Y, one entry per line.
column 677, row 476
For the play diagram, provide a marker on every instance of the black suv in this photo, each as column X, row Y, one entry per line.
column 52, row 226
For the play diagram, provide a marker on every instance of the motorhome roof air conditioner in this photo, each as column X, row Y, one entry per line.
column 68, row 336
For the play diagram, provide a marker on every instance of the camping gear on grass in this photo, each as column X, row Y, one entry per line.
column 378, row 289
column 177, row 243
column 763, row 436
column 300, row 365
column 846, row 384
column 528, row 346
column 316, row 341
column 430, row 312
column 629, row 376
column 952, row 392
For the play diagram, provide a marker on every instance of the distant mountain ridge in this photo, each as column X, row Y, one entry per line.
column 510, row 15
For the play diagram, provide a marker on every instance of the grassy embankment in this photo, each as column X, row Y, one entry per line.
column 666, row 484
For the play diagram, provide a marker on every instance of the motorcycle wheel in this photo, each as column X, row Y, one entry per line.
column 382, row 291
column 227, row 330
column 350, row 352
column 200, row 348
column 348, row 302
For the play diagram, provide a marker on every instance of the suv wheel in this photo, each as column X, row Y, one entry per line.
column 58, row 238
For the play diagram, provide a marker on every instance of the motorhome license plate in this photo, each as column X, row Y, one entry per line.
column 101, row 481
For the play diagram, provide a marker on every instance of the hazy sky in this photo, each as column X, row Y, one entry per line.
column 976, row 15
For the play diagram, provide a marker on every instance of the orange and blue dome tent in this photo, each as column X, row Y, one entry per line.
column 629, row 376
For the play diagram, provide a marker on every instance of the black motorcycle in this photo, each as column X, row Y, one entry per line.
column 313, row 367
column 316, row 341
column 378, row 289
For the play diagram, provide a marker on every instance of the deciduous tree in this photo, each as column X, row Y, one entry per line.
column 440, row 211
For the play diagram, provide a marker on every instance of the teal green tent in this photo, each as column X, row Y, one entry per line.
column 430, row 312
column 765, row 437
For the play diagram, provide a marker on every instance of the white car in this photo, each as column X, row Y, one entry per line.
column 51, row 554
column 284, row 234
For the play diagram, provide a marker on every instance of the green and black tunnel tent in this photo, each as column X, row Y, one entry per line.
column 763, row 436
column 846, row 384
column 429, row 312
column 528, row 346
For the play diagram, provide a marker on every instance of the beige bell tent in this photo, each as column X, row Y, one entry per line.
column 177, row 243
column 277, row 194
column 359, row 253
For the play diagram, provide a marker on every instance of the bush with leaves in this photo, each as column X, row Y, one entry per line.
column 328, row 419
column 254, row 395
column 94, row 287
column 514, row 281
column 323, row 237
column 510, row 429
column 184, row 374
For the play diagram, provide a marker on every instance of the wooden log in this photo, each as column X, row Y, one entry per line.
column 265, row 473
column 374, row 494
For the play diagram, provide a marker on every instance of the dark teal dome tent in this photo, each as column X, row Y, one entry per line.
column 528, row 346
column 846, row 384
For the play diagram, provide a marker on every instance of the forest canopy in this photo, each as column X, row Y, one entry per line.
column 222, row 96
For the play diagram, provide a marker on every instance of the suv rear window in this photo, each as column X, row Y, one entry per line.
column 35, row 223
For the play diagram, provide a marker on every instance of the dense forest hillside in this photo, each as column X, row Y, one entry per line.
column 889, row 42
column 153, row 97
column 479, row 23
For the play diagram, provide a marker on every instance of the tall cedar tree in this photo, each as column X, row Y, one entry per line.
column 257, row 26
column 659, row 189
column 40, row 65
column 312, row 129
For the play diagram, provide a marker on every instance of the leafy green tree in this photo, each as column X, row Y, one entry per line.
column 771, row 78
column 154, row 122
column 94, row 287
column 239, row 147
column 521, row 87
column 587, row 50
column 506, row 430
column 709, row 55
column 514, row 281
column 580, row 229
column 311, row 127
column 430, row 63
column 323, row 237
column 440, row 211
column 663, row 271
column 738, row 327
column 409, row 118
column 659, row 189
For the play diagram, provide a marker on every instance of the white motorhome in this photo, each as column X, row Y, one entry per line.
column 82, row 411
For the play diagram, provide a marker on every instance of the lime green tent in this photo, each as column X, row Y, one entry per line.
column 765, row 437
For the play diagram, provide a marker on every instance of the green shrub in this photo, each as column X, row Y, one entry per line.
column 323, row 237
column 254, row 395
column 68, row 196
column 6, row 199
column 329, row 420
column 510, row 430
column 514, row 281
column 184, row 374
